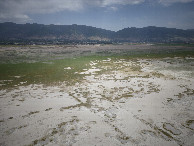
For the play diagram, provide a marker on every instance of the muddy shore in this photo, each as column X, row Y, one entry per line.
column 130, row 95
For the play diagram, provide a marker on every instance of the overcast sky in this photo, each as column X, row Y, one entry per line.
column 108, row 14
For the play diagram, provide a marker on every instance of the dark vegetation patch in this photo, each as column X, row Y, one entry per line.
column 171, row 128
column 67, row 129
column 31, row 113
column 48, row 109
column 189, row 124
column 167, row 133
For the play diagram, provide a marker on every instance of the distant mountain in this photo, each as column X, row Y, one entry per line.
column 13, row 31
column 80, row 33
column 154, row 34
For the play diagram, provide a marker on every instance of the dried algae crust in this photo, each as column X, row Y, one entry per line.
column 107, row 101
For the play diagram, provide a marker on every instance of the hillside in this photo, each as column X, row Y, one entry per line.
column 11, row 32
column 154, row 34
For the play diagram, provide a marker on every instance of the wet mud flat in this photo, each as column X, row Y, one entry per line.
column 99, row 99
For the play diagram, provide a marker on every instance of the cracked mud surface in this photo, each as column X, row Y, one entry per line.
column 118, row 101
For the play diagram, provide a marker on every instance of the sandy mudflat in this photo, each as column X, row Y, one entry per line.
column 119, row 102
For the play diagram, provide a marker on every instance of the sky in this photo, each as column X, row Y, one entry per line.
column 107, row 14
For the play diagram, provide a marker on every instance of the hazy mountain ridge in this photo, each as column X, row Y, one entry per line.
column 155, row 34
column 11, row 31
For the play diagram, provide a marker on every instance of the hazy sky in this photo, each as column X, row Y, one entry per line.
column 108, row 14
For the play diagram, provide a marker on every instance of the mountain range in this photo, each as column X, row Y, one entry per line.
column 11, row 32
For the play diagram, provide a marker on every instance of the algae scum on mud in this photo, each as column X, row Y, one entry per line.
column 25, row 65
column 111, row 95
